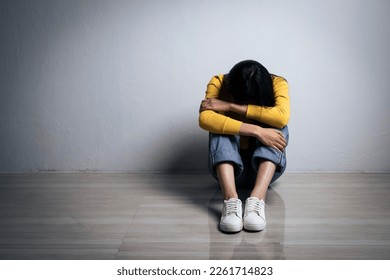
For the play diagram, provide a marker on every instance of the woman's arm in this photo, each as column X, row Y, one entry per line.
column 212, row 119
column 222, row 106
column 268, row 136
column 277, row 116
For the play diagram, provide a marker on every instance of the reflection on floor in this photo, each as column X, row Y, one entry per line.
column 164, row 216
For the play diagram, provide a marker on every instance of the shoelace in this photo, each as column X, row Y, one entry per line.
column 232, row 207
column 253, row 205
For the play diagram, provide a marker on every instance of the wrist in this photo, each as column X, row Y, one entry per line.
column 252, row 130
column 257, row 131
column 231, row 107
column 237, row 108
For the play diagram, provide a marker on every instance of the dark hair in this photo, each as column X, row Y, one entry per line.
column 250, row 82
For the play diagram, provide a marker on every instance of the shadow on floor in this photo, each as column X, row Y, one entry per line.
column 190, row 155
column 267, row 244
column 264, row 245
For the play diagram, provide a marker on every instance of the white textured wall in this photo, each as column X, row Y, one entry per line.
column 115, row 86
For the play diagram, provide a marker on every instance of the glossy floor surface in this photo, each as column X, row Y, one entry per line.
column 163, row 216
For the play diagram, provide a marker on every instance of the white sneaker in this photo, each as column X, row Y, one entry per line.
column 231, row 220
column 254, row 215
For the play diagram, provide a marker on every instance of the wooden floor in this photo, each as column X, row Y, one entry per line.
column 133, row 216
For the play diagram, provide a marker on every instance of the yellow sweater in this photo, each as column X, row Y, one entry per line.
column 277, row 116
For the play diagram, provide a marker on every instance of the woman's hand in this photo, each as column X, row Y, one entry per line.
column 268, row 136
column 214, row 104
column 272, row 138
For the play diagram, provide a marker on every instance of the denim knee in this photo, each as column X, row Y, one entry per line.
column 224, row 148
column 271, row 154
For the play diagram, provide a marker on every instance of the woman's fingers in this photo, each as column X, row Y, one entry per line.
column 280, row 141
column 203, row 105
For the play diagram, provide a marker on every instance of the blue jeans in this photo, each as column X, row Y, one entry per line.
column 226, row 148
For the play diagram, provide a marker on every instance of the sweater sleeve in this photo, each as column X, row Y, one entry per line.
column 214, row 121
column 277, row 116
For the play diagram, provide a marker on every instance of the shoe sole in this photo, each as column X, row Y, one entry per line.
column 231, row 229
column 255, row 227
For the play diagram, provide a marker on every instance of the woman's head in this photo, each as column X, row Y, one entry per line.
column 250, row 83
